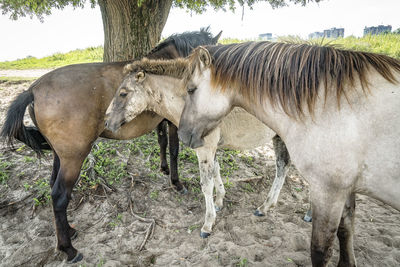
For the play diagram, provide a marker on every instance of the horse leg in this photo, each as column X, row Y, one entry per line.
column 282, row 167
column 206, row 166
column 219, row 187
column 173, row 157
column 61, row 195
column 327, row 206
column 308, row 215
column 346, row 232
column 163, row 142
column 56, row 168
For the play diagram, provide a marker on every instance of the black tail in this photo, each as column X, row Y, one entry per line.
column 14, row 127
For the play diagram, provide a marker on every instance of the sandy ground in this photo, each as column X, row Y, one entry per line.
column 24, row 73
column 110, row 234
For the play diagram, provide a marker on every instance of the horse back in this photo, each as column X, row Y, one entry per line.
column 70, row 102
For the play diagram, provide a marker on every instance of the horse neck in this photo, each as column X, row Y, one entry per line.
column 171, row 101
column 167, row 52
column 274, row 118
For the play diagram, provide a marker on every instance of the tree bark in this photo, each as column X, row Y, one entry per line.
column 130, row 30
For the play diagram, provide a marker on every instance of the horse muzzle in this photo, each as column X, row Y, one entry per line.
column 190, row 139
column 113, row 124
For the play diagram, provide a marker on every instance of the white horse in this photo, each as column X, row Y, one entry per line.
column 337, row 111
column 150, row 89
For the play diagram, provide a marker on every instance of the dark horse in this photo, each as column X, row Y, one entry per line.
column 68, row 106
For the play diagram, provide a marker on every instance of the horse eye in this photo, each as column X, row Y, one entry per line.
column 123, row 94
column 191, row 90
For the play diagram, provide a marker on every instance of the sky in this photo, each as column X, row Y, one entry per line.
column 70, row 29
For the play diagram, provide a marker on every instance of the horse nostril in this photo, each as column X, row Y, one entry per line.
column 106, row 124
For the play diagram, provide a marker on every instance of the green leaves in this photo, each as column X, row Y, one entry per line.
column 200, row 6
column 40, row 8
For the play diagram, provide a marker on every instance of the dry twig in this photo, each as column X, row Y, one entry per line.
column 250, row 178
column 15, row 202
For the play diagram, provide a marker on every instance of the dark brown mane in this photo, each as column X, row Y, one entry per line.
column 172, row 67
column 291, row 74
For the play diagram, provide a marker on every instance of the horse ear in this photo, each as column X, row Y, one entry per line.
column 216, row 38
column 205, row 57
column 140, row 76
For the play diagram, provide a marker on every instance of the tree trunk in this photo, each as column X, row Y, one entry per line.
column 130, row 31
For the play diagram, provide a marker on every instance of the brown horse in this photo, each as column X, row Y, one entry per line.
column 68, row 106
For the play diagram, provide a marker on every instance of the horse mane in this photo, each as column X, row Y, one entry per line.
column 172, row 67
column 185, row 42
column 291, row 74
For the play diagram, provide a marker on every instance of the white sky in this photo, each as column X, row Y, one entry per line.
column 70, row 29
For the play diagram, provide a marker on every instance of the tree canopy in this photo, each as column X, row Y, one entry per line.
column 40, row 8
column 131, row 27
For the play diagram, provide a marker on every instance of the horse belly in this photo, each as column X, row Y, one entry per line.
column 380, row 176
column 240, row 130
column 142, row 124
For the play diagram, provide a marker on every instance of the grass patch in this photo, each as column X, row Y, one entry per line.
column 115, row 221
column 154, row 194
column 40, row 190
column 228, row 162
column 147, row 147
column 4, row 170
column 88, row 55
column 388, row 44
column 105, row 164
column 236, row 40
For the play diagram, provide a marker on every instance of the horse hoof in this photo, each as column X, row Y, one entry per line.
column 77, row 258
column 307, row 218
column 183, row 191
column 204, row 234
column 217, row 208
column 164, row 170
column 259, row 213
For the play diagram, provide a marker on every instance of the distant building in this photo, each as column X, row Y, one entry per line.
column 330, row 33
column 380, row 29
column 316, row 35
column 334, row 33
column 265, row 36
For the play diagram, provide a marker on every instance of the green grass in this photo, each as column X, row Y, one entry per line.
column 4, row 170
column 235, row 40
column 105, row 165
column 115, row 221
column 388, row 44
column 41, row 189
column 91, row 54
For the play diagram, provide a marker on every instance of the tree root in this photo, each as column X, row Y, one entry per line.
column 150, row 221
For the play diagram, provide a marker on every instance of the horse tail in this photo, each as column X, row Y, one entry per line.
column 14, row 127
